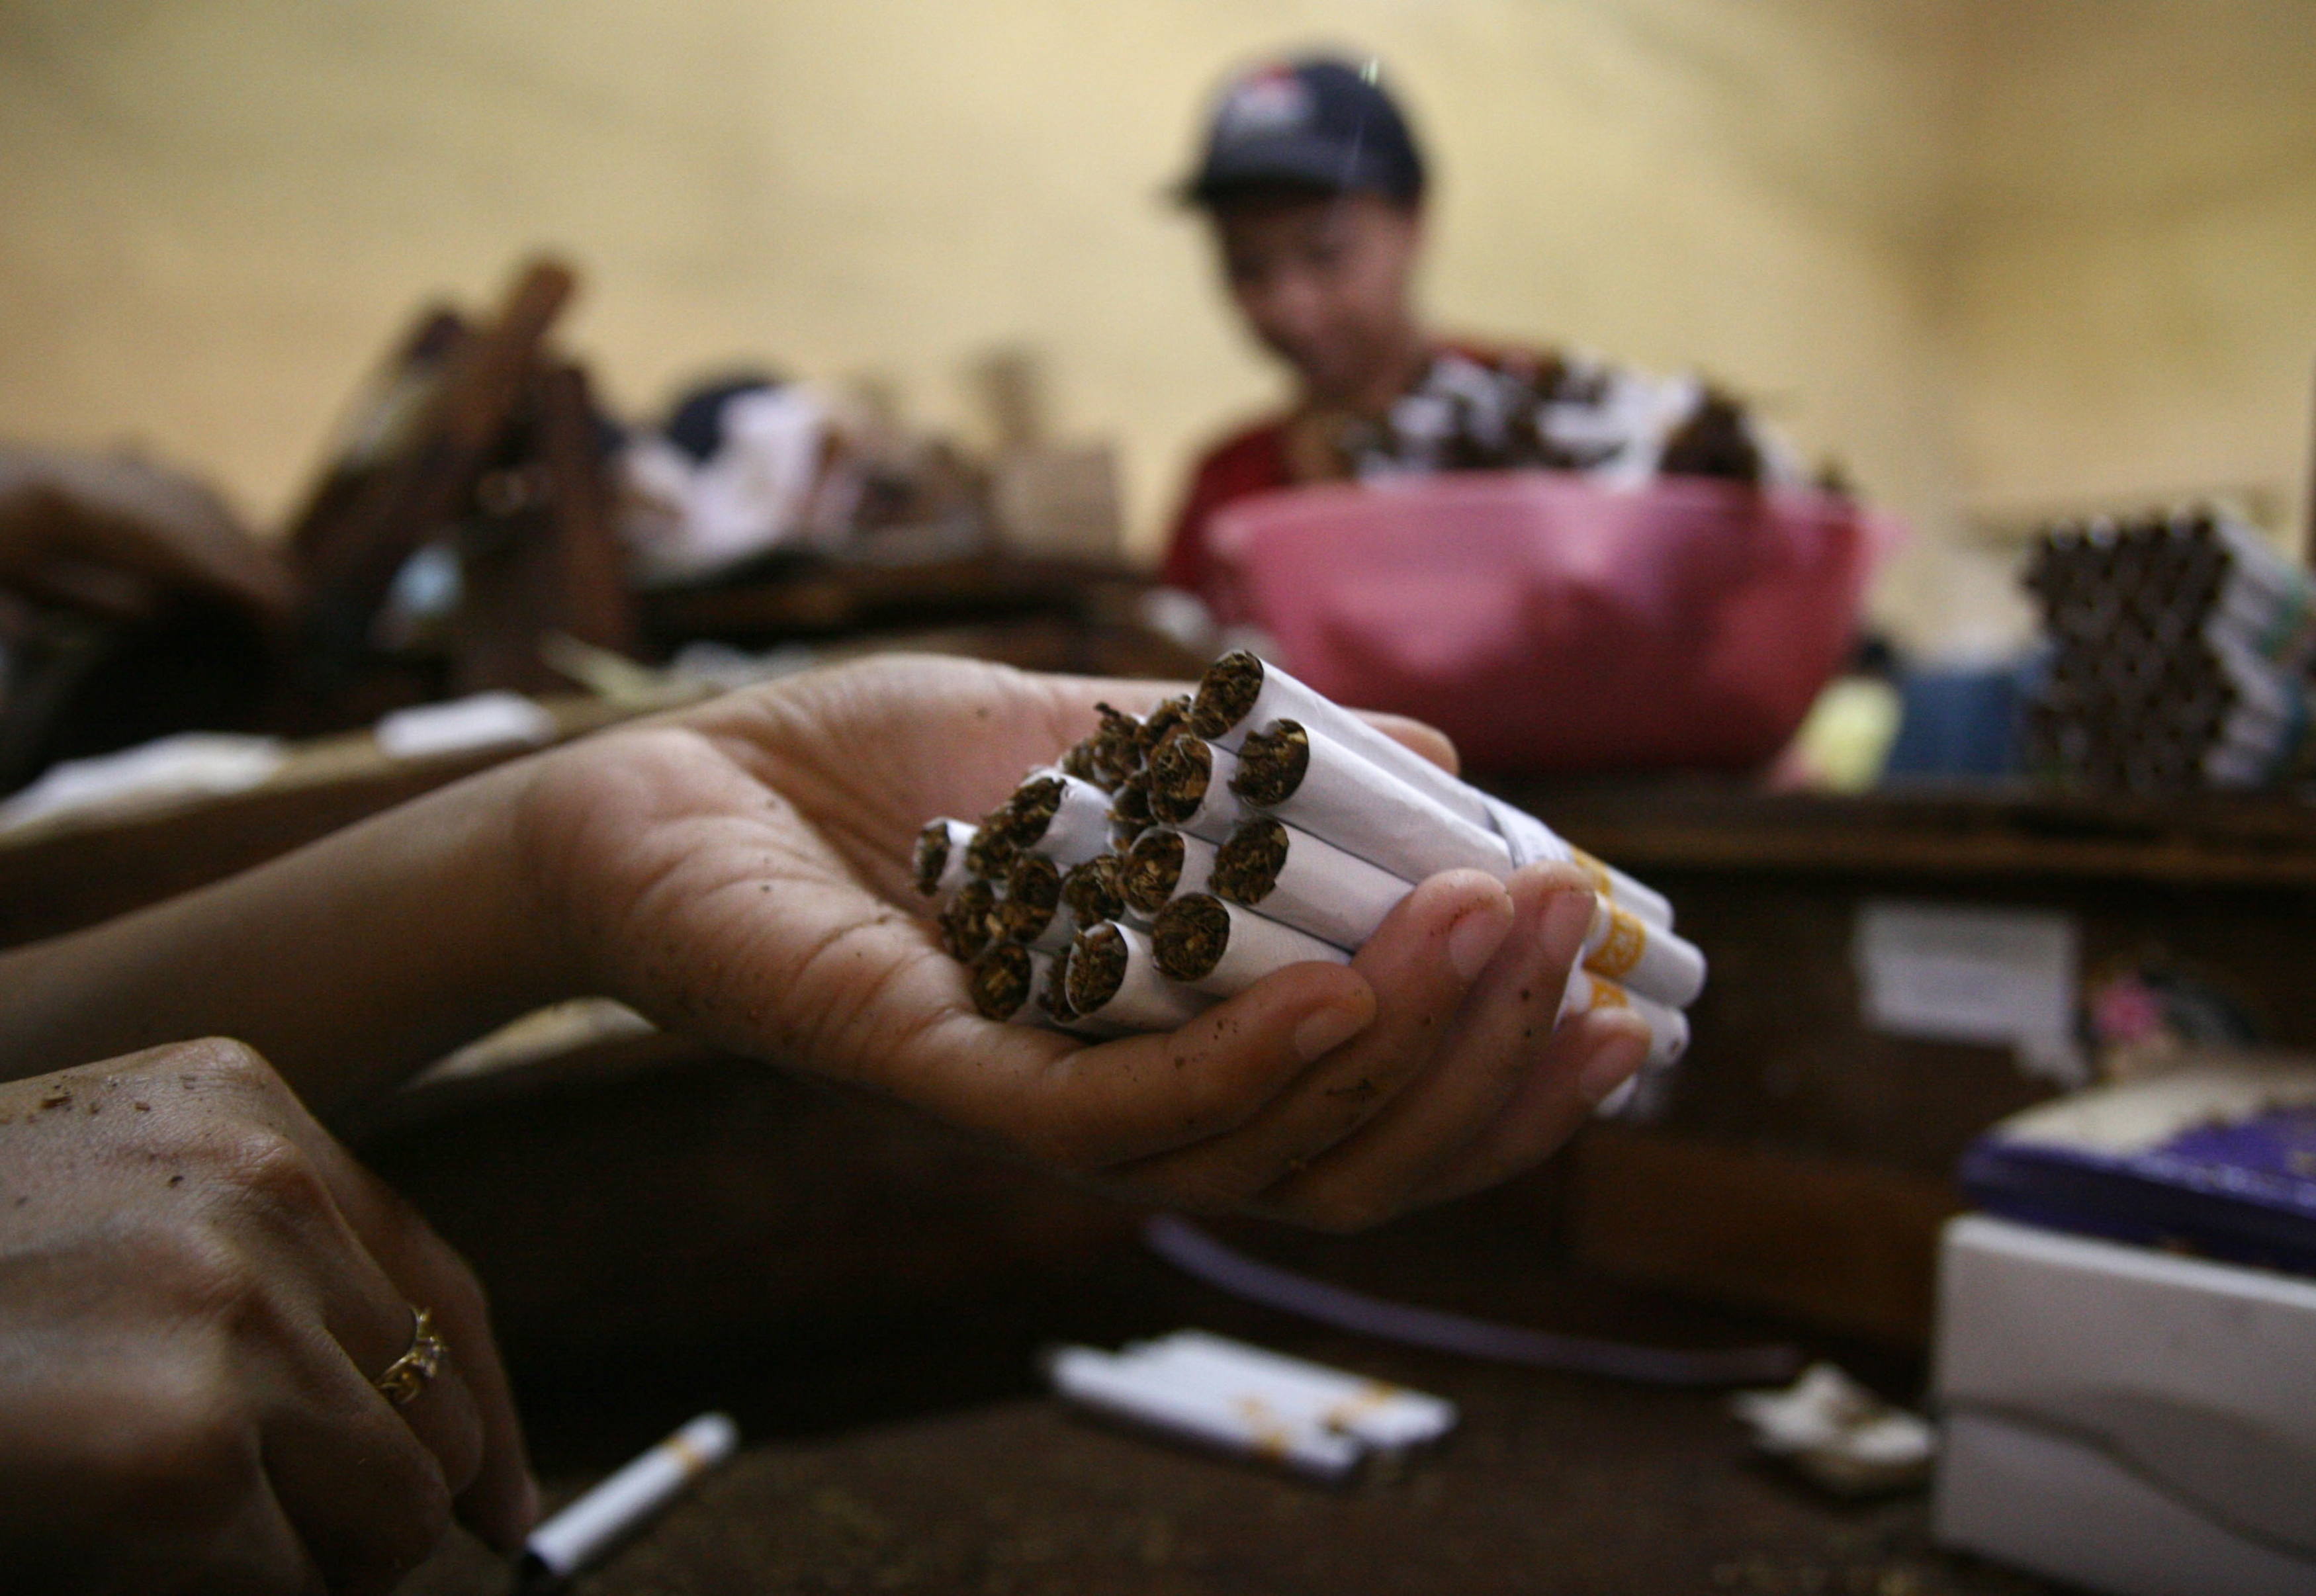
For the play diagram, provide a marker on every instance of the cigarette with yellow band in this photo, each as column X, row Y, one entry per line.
column 1668, row 1026
column 1644, row 960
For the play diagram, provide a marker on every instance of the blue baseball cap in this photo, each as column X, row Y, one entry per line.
column 1317, row 123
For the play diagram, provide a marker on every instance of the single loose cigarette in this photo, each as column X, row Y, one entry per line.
column 1091, row 892
column 1029, row 911
column 1640, row 958
column 1240, row 695
column 1005, row 982
column 1163, row 862
column 1190, row 786
column 1113, row 977
column 1223, row 949
column 1060, row 816
column 621, row 1505
column 940, row 858
column 1315, row 784
column 1668, row 1026
column 965, row 925
column 1300, row 881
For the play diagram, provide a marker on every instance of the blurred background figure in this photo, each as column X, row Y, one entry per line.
column 1313, row 186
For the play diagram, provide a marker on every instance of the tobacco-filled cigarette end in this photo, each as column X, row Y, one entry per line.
column 1153, row 868
column 1129, row 804
column 994, row 842
column 1179, row 774
column 1079, row 762
column 1000, row 980
column 1190, row 936
column 1096, row 967
column 932, row 855
column 1093, row 892
column 1117, row 744
column 1054, row 993
column 1226, row 693
column 1247, row 866
column 1033, row 806
column 1033, row 891
column 1272, row 763
column 1168, row 717
column 965, row 925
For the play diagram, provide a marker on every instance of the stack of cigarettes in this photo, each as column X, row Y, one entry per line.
column 2181, row 648
column 1562, row 415
column 1163, row 864
column 1224, row 1393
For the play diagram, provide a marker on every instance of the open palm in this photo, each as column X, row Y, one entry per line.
column 742, row 872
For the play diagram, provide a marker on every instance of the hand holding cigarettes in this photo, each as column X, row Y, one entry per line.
column 753, row 876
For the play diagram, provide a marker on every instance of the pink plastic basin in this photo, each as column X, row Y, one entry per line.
column 1548, row 623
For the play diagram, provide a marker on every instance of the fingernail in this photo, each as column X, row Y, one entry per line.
column 1324, row 1030
column 529, row 1503
column 1474, row 939
column 1611, row 1067
column 1567, row 919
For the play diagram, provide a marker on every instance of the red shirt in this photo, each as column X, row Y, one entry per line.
column 1249, row 462
column 1254, row 461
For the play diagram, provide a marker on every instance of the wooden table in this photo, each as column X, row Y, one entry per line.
column 1552, row 1483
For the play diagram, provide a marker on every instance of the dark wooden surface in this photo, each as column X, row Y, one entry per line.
column 966, row 1479
column 1805, row 1159
column 1998, row 834
column 1553, row 1488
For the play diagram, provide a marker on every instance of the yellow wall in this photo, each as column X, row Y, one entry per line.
column 212, row 216
column 2133, row 262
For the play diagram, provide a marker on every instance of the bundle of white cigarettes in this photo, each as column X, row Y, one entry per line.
column 1165, row 863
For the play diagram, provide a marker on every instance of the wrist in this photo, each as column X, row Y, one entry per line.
column 516, row 922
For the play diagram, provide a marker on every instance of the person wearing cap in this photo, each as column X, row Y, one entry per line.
column 1313, row 185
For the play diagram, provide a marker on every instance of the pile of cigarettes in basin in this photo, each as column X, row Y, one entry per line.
column 2181, row 653
column 1163, row 864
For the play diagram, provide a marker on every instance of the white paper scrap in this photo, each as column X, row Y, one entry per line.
column 1967, row 973
column 191, row 765
column 484, row 720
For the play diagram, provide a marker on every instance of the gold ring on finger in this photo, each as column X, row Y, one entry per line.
column 407, row 1375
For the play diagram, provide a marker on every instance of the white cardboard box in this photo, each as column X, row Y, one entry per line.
column 2133, row 1421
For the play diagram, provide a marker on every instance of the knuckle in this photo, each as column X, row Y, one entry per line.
column 196, row 1273
column 273, row 1170
column 223, row 1059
